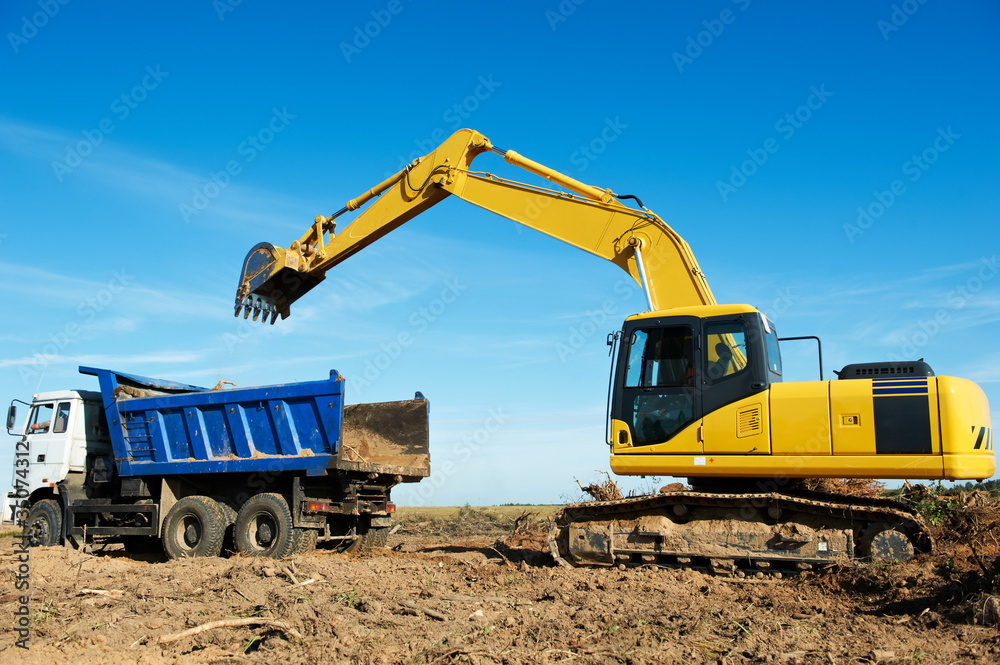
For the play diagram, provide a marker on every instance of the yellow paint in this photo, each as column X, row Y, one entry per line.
column 688, row 440
column 699, row 311
column 928, row 467
column 722, row 425
column 964, row 412
column 800, row 418
column 852, row 398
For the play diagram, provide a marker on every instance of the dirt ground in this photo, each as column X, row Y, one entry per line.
column 461, row 587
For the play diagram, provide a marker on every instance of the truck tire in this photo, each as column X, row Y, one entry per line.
column 194, row 527
column 43, row 526
column 264, row 527
column 229, row 519
column 304, row 540
column 375, row 536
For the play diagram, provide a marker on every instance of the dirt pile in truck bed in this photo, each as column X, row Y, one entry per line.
column 386, row 433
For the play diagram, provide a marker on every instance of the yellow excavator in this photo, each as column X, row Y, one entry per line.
column 696, row 391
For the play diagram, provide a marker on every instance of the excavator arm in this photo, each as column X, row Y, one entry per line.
column 587, row 217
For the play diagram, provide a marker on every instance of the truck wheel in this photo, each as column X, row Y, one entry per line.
column 43, row 526
column 264, row 527
column 229, row 520
column 376, row 536
column 304, row 540
column 193, row 527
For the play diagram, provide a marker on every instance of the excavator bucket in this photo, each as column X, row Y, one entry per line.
column 270, row 282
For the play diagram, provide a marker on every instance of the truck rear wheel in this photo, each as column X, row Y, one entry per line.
column 44, row 524
column 194, row 527
column 304, row 540
column 264, row 527
column 375, row 536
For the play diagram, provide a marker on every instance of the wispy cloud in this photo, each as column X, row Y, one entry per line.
column 161, row 357
column 161, row 183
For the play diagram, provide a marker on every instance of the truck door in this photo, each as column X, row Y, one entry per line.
column 48, row 436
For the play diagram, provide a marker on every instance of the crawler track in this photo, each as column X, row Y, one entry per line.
column 737, row 533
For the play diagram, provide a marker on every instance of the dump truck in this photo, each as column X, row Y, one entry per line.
column 263, row 471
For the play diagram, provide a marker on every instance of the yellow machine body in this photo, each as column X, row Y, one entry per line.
column 698, row 389
column 829, row 428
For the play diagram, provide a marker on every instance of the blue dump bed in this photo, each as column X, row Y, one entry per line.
column 162, row 428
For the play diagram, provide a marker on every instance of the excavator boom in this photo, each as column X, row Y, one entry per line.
column 587, row 217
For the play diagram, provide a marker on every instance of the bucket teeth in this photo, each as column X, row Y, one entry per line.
column 261, row 306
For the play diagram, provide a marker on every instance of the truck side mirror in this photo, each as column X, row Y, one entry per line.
column 11, row 417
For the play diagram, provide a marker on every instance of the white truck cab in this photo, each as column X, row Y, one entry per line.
column 62, row 428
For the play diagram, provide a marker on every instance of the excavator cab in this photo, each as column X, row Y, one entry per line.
column 673, row 370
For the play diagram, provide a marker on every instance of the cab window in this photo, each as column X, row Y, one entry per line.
column 773, row 352
column 660, row 357
column 726, row 353
column 62, row 418
column 41, row 418
column 659, row 383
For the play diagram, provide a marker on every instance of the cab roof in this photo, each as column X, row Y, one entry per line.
column 700, row 311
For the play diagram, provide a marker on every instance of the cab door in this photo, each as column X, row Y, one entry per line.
column 48, row 437
column 734, row 382
column 656, row 403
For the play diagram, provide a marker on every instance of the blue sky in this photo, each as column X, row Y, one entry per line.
column 833, row 164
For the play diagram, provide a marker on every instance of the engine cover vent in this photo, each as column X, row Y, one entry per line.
column 885, row 369
column 748, row 421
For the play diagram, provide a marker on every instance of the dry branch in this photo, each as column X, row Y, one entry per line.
column 410, row 605
column 229, row 623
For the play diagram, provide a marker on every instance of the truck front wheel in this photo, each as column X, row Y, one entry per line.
column 44, row 524
column 194, row 527
column 264, row 527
